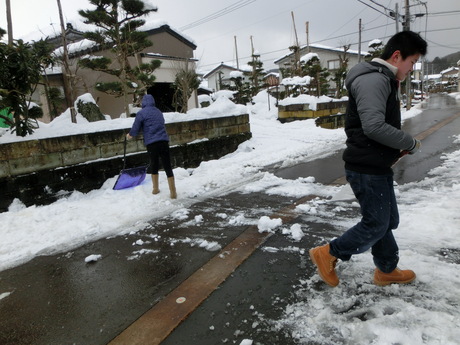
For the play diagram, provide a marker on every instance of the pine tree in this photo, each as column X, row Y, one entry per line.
column 256, row 74
column 341, row 73
column 311, row 67
column 118, row 23
column 242, row 88
column 377, row 50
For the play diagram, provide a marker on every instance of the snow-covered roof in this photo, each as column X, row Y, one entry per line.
column 76, row 47
column 275, row 74
column 220, row 67
column 323, row 47
column 450, row 69
column 151, row 26
column 163, row 56
column 433, row 76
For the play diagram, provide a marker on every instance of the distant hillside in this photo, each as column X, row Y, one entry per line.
column 440, row 64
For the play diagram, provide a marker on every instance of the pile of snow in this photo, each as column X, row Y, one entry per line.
column 93, row 258
column 236, row 74
column 374, row 42
column 204, row 99
column 222, row 106
column 302, row 81
column 223, row 93
column 62, row 125
column 312, row 101
column 306, row 58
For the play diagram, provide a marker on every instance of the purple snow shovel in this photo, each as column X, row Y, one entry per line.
column 130, row 177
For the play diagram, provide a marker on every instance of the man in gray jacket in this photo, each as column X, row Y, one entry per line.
column 375, row 141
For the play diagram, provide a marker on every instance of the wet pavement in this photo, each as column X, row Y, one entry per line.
column 60, row 299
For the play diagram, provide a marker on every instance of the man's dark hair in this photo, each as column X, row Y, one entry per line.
column 407, row 42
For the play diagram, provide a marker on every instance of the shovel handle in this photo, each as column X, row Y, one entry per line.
column 124, row 152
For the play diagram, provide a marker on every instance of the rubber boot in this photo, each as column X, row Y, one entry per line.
column 172, row 187
column 325, row 263
column 397, row 276
column 156, row 188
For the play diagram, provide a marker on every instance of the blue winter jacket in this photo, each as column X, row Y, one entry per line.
column 150, row 121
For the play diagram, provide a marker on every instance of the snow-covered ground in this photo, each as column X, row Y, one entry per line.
column 356, row 312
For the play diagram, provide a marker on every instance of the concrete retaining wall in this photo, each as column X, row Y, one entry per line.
column 331, row 122
column 40, row 171
column 293, row 112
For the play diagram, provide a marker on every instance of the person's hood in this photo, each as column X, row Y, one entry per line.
column 148, row 101
column 366, row 67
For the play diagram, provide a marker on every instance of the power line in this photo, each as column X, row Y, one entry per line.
column 354, row 43
column 375, row 9
column 217, row 14
column 445, row 13
column 437, row 44
column 353, row 33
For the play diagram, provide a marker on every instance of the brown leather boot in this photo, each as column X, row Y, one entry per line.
column 397, row 276
column 156, row 188
column 325, row 263
column 172, row 187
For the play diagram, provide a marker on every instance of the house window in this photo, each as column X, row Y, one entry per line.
column 333, row 64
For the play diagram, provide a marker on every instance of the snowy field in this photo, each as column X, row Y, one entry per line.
column 356, row 312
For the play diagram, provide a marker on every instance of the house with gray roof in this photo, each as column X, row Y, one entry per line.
column 329, row 57
column 173, row 49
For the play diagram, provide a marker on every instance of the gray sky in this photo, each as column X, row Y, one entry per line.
column 213, row 24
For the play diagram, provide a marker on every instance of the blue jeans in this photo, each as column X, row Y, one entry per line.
column 376, row 196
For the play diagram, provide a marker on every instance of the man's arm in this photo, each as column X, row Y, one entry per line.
column 371, row 92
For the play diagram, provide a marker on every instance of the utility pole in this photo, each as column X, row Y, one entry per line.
column 255, row 58
column 408, row 79
column 236, row 52
column 397, row 17
column 66, row 73
column 308, row 36
column 407, row 17
column 297, row 48
column 10, row 23
column 422, row 77
column 359, row 43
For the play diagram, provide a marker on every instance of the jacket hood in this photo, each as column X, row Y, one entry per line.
column 148, row 101
column 364, row 68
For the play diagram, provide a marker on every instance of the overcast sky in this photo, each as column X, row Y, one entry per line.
column 214, row 24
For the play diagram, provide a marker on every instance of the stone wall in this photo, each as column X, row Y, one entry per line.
column 40, row 171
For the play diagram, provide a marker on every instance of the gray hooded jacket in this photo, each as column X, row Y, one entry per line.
column 373, row 120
